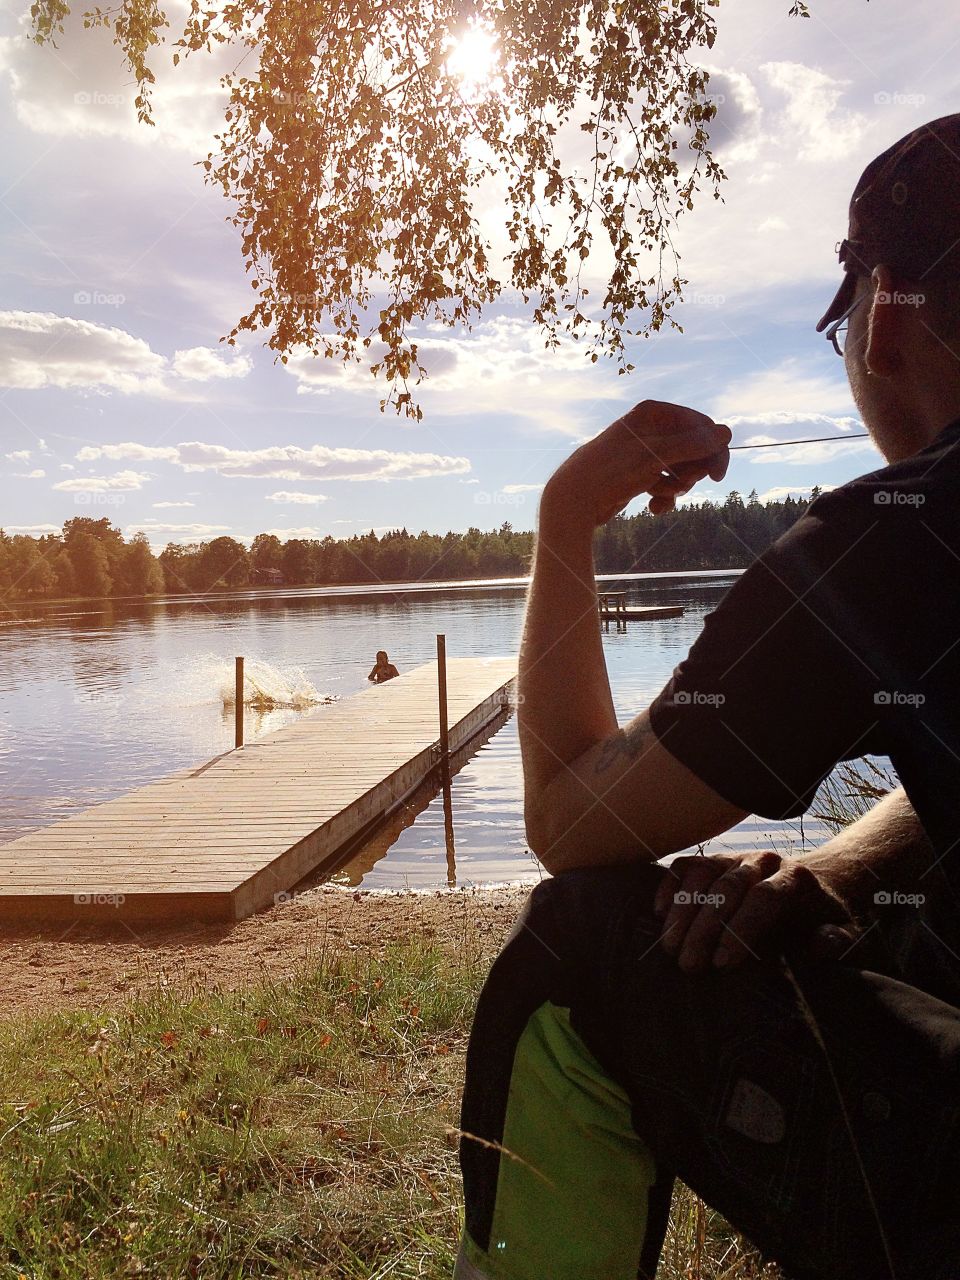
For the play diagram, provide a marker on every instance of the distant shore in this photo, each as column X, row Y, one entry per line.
column 349, row 588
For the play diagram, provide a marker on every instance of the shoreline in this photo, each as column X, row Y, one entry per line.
column 101, row 966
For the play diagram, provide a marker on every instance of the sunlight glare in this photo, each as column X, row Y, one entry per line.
column 473, row 59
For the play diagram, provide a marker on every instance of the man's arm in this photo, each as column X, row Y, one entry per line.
column 884, row 851
column 593, row 793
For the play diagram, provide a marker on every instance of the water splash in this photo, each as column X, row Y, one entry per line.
column 267, row 688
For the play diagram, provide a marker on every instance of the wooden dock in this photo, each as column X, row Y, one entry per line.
column 235, row 835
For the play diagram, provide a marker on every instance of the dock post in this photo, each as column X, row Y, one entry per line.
column 442, row 690
column 238, row 706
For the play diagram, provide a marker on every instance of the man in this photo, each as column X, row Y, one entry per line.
column 781, row 1033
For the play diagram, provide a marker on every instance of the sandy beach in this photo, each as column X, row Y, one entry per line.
column 97, row 966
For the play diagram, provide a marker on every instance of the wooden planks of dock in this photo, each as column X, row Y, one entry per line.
column 235, row 835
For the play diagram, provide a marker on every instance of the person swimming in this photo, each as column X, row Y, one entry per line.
column 383, row 668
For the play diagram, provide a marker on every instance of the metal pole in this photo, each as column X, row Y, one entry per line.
column 442, row 689
column 238, row 706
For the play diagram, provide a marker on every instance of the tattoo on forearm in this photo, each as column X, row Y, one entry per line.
column 628, row 743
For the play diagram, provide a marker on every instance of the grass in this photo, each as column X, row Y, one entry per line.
column 296, row 1130
column 851, row 790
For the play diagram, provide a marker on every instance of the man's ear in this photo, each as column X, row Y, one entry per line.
column 884, row 326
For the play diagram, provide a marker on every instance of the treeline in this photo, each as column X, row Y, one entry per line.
column 89, row 558
column 92, row 558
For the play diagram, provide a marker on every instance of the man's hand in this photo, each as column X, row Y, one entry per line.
column 723, row 908
column 656, row 448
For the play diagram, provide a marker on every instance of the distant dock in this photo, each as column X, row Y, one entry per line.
column 643, row 613
column 233, row 836
column 613, row 606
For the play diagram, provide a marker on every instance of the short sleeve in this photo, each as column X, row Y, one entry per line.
column 778, row 688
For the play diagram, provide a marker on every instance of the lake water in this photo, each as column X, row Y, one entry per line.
column 98, row 699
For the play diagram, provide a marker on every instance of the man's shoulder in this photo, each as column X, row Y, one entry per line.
column 931, row 471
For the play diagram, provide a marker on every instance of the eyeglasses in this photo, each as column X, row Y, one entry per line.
column 836, row 333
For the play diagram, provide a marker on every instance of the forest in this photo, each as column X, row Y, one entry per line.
column 92, row 558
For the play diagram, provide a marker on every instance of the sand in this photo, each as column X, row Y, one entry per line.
column 96, row 967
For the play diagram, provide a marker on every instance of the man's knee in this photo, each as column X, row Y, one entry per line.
column 588, row 892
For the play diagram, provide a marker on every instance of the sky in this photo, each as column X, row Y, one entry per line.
column 122, row 272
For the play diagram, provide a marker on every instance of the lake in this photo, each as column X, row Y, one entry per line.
column 96, row 699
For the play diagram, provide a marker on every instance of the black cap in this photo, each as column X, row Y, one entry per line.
column 905, row 212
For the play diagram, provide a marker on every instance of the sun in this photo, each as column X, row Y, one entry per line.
column 474, row 59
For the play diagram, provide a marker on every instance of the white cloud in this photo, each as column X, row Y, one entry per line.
column 285, row 534
column 790, row 418
column 806, row 455
column 82, row 89
column 201, row 364
column 31, row 530
column 159, row 505
column 812, row 118
column 780, row 491
column 37, row 474
column 502, row 366
column 187, row 530
column 289, row 462
column 305, row 498
column 67, row 466
column 791, row 404
column 19, row 455
column 39, row 349
column 122, row 480
column 786, row 393
column 521, row 488
column 130, row 452
column 697, row 494
column 736, row 129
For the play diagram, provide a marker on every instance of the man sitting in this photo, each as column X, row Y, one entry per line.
column 782, row 1033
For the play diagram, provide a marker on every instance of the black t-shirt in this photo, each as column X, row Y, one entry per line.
column 841, row 640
